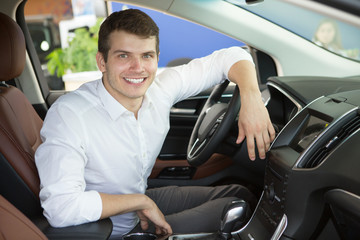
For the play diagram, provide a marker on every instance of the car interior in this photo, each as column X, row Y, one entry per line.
column 307, row 188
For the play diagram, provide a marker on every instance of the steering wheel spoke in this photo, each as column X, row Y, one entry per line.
column 196, row 147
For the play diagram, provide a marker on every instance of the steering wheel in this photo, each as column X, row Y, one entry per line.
column 212, row 125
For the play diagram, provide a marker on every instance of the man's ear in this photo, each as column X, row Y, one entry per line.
column 100, row 61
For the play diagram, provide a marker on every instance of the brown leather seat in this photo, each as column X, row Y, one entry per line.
column 19, row 138
column 19, row 123
column 11, row 220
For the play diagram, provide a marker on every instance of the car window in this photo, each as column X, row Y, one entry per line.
column 181, row 39
column 52, row 26
column 45, row 35
column 67, row 50
column 339, row 37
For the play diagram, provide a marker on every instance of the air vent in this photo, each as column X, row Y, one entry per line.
column 322, row 152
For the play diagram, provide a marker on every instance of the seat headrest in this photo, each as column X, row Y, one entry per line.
column 12, row 48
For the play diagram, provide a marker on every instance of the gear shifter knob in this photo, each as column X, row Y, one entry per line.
column 236, row 211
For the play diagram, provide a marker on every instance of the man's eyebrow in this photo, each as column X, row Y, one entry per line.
column 150, row 52
column 119, row 51
column 127, row 52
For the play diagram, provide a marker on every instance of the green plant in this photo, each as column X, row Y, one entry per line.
column 79, row 56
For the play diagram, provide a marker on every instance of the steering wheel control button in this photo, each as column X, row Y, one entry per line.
column 212, row 131
column 211, row 119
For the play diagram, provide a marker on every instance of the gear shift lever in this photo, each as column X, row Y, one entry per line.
column 236, row 211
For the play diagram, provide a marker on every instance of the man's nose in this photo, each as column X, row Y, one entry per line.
column 136, row 64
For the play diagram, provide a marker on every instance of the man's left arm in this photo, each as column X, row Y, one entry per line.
column 254, row 121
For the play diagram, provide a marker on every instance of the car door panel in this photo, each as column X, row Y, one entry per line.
column 180, row 169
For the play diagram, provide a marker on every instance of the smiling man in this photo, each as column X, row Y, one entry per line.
column 130, row 67
column 101, row 141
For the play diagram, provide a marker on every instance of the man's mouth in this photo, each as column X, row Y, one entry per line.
column 135, row 80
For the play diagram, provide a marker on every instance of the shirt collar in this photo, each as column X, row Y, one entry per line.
column 113, row 107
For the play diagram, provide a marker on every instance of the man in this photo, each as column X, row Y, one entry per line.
column 100, row 142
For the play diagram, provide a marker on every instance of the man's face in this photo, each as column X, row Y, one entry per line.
column 130, row 68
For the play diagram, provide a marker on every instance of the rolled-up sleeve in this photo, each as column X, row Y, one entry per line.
column 199, row 74
column 61, row 162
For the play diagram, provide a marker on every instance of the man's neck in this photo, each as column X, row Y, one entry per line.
column 131, row 104
column 133, row 107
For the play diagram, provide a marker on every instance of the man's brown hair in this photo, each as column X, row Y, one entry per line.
column 131, row 21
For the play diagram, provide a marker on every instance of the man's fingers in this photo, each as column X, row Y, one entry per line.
column 271, row 132
column 144, row 224
column 251, row 147
column 163, row 236
column 159, row 231
column 263, row 141
column 262, row 135
column 241, row 135
column 153, row 214
column 164, row 230
column 267, row 141
column 260, row 146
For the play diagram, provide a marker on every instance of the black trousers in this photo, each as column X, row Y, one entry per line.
column 195, row 209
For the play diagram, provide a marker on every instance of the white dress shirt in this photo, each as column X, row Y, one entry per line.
column 92, row 144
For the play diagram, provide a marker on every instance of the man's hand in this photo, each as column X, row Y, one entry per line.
column 146, row 209
column 254, row 124
column 153, row 214
column 254, row 121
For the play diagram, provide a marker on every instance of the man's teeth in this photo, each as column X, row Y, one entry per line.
column 135, row 80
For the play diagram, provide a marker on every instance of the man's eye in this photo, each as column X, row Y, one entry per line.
column 147, row 56
column 123, row 56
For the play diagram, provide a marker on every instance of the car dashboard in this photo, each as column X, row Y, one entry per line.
column 311, row 184
column 288, row 95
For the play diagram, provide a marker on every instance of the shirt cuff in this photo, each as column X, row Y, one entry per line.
column 91, row 209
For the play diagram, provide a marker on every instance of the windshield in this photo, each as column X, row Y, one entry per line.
column 334, row 35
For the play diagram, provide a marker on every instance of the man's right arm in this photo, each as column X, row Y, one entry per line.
column 61, row 161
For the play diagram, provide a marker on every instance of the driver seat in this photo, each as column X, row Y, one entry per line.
column 11, row 220
column 19, row 126
column 19, row 138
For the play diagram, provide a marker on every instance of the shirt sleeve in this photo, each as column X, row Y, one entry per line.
column 200, row 74
column 61, row 161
